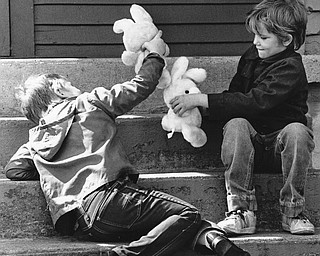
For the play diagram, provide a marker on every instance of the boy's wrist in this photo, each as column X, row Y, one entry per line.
column 202, row 100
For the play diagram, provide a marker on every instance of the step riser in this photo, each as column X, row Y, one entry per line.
column 274, row 248
column 23, row 210
column 280, row 244
column 90, row 73
column 87, row 74
column 149, row 150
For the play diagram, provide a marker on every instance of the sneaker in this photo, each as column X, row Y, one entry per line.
column 239, row 222
column 299, row 225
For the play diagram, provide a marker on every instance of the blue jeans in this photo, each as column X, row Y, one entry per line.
column 288, row 150
column 154, row 222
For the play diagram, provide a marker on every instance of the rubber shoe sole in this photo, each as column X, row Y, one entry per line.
column 243, row 231
column 301, row 231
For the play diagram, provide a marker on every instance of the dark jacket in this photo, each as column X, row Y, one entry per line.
column 75, row 148
column 270, row 93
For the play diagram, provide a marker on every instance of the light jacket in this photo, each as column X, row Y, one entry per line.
column 270, row 93
column 75, row 148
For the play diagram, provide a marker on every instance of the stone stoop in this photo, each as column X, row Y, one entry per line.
column 24, row 213
column 170, row 165
column 260, row 244
column 89, row 73
column 149, row 149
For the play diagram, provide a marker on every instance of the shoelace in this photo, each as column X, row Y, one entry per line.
column 302, row 216
column 232, row 214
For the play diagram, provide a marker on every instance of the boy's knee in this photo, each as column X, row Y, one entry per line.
column 297, row 131
column 237, row 125
column 298, row 134
column 236, row 122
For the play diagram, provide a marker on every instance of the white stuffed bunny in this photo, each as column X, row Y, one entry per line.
column 183, row 82
column 135, row 33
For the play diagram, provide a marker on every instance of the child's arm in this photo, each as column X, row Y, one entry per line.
column 21, row 166
column 282, row 90
column 121, row 98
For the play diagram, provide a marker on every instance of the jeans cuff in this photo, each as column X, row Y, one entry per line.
column 244, row 202
column 292, row 209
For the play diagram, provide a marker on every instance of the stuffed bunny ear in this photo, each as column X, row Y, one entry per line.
column 119, row 25
column 198, row 75
column 179, row 67
column 164, row 80
column 138, row 13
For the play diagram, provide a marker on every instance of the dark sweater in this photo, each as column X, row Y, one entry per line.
column 270, row 93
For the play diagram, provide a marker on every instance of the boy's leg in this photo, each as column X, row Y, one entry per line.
column 155, row 222
column 210, row 236
column 237, row 154
column 295, row 144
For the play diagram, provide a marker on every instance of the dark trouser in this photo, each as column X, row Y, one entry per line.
column 153, row 222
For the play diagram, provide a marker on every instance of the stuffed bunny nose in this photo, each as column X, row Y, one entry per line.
column 192, row 90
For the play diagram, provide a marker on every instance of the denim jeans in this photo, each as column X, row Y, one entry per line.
column 244, row 151
column 153, row 222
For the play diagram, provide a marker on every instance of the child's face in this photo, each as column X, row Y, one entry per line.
column 67, row 90
column 267, row 44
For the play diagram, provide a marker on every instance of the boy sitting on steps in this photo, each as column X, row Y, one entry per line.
column 264, row 111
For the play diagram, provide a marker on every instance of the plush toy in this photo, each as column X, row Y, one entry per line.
column 135, row 33
column 183, row 81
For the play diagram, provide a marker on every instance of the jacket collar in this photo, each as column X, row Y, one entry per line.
column 46, row 138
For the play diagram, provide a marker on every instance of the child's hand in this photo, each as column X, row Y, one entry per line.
column 180, row 104
column 156, row 44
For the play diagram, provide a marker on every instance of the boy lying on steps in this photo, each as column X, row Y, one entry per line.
column 88, row 183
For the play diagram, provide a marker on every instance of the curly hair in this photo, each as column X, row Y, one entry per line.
column 280, row 17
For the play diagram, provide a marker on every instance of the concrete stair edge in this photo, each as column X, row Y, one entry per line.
column 88, row 73
column 262, row 245
column 259, row 244
column 23, row 210
column 150, row 149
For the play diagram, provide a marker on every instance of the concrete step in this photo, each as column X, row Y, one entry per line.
column 23, row 211
column 149, row 150
column 173, row 166
column 89, row 73
column 260, row 244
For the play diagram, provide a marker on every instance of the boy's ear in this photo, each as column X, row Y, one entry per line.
column 288, row 41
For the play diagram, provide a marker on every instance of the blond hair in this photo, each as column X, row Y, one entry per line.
column 36, row 94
